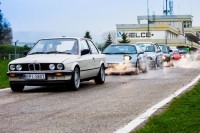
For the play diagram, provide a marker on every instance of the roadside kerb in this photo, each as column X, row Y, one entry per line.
column 143, row 117
column 4, row 89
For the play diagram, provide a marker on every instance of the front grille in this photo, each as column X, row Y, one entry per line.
column 34, row 67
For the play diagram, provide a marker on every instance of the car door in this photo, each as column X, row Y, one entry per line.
column 96, row 57
column 86, row 61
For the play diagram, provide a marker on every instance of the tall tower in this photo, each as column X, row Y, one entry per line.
column 167, row 11
column 171, row 7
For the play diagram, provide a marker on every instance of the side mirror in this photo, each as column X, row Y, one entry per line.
column 170, row 50
column 85, row 51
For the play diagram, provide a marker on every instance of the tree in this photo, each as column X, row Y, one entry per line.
column 112, row 33
column 108, row 41
column 124, row 39
column 5, row 30
column 87, row 35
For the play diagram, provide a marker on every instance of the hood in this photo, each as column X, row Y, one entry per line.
column 44, row 58
column 151, row 54
column 117, row 58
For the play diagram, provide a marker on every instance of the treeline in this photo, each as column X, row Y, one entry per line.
column 7, row 49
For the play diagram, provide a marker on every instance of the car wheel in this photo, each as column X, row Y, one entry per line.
column 137, row 68
column 100, row 79
column 16, row 88
column 75, row 80
column 160, row 65
column 145, row 69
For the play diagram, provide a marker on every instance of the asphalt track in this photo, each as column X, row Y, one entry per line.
column 94, row 108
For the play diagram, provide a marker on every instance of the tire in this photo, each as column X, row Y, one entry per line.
column 100, row 78
column 136, row 69
column 145, row 69
column 16, row 88
column 160, row 65
column 75, row 80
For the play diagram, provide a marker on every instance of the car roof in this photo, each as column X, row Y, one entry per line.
column 128, row 44
column 64, row 37
column 146, row 42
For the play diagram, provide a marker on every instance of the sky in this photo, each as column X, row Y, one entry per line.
column 32, row 20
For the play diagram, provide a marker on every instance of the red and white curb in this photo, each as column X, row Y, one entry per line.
column 143, row 117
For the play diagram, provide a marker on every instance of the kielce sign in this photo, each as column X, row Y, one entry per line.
column 135, row 34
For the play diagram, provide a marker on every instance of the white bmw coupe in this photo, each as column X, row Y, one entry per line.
column 66, row 61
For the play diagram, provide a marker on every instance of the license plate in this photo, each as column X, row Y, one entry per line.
column 34, row 76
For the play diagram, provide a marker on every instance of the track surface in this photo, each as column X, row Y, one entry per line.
column 94, row 108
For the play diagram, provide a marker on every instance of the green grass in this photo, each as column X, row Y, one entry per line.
column 181, row 116
column 4, row 80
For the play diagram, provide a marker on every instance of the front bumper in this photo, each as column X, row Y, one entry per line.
column 120, row 68
column 51, row 78
column 166, row 59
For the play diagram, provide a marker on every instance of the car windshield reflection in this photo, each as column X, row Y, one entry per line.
column 117, row 49
column 56, row 46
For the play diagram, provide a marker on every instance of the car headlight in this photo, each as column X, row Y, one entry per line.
column 12, row 67
column 60, row 66
column 19, row 67
column 127, row 57
column 149, row 58
column 163, row 57
column 52, row 66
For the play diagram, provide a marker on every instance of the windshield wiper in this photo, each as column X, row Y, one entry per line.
column 37, row 53
column 56, row 52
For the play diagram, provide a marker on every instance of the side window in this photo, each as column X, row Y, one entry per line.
column 158, row 48
column 93, row 48
column 84, row 45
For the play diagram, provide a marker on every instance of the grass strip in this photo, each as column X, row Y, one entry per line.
column 4, row 79
column 181, row 116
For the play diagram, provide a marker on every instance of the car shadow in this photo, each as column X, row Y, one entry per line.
column 58, row 89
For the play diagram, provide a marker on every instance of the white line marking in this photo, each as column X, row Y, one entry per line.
column 143, row 117
column 4, row 89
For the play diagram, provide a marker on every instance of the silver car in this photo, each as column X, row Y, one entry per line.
column 125, row 58
column 154, row 54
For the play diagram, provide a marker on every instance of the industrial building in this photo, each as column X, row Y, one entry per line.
column 173, row 30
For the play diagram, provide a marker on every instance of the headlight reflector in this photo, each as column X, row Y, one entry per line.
column 19, row 67
column 12, row 67
column 52, row 66
column 60, row 66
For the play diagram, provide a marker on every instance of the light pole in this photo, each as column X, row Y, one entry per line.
column 148, row 14
column 148, row 33
column 15, row 49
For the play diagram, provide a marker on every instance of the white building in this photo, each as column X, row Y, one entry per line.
column 173, row 30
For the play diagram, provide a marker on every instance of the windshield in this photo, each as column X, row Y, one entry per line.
column 163, row 48
column 56, row 46
column 120, row 49
column 176, row 51
column 147, row 47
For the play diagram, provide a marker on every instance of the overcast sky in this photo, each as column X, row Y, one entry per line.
column 35, row 19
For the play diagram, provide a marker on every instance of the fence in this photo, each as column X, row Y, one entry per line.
column 10, row 56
